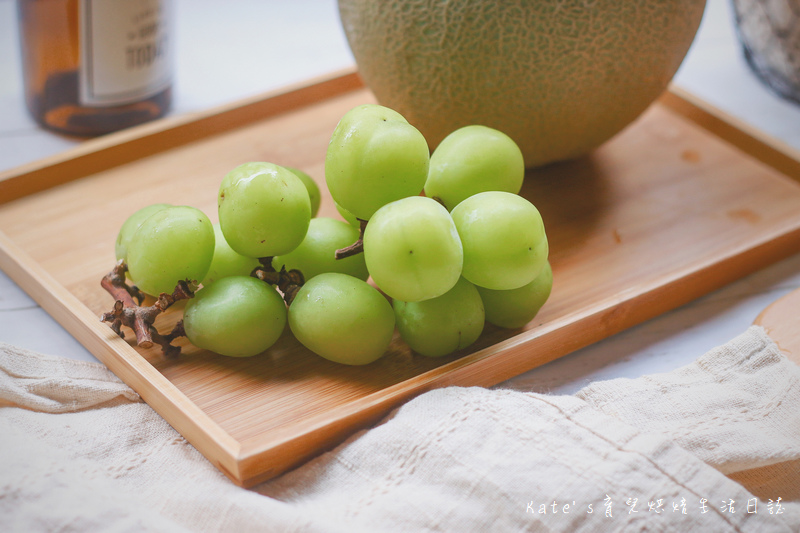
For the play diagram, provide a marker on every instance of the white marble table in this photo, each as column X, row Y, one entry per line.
column 228, row 50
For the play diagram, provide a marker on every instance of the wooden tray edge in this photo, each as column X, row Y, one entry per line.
column 161, row 135
column 122, row 359
column 747, row 138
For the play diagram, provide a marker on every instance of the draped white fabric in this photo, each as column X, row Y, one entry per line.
column 713, row 446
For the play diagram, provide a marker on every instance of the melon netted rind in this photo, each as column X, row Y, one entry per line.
column 559, row 77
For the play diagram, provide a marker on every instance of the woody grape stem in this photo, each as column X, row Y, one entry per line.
column 128, row 311
column 355, row 248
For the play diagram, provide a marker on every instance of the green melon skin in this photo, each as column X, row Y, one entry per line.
column 559, row 77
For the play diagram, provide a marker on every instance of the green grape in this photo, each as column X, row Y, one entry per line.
column 474, row 159
column 130, row 226
column 342, row 319
column 516, row 307
column 317, row 253
column 442, row 325
column 312, row 187
column 374, row 157
column 412, row 249
column 264, row 209
column 348, row 216
column 504, row 241
column 237, row 316
column 172, row 244
column 227, row 262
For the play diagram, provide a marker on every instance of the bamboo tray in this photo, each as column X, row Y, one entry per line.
column 682, row 202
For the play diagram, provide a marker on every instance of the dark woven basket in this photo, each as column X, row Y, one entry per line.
column 769, row 31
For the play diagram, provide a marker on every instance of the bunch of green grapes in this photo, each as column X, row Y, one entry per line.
column 447, row 236
column 445, row 239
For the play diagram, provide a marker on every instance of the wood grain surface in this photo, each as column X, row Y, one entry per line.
column 677, row 205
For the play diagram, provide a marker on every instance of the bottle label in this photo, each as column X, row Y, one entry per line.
column 126, row 52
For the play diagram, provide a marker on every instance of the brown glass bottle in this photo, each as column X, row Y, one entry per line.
column 60, row 72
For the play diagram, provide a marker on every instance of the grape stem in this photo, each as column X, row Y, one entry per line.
column 355, row 248
column 287, row 281
column 128, row 310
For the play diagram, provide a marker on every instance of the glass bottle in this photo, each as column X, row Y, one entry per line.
column 95, row 66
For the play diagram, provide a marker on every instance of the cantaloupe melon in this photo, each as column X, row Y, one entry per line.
column 559, row 77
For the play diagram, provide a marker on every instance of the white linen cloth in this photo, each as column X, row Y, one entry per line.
column 709, row 447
